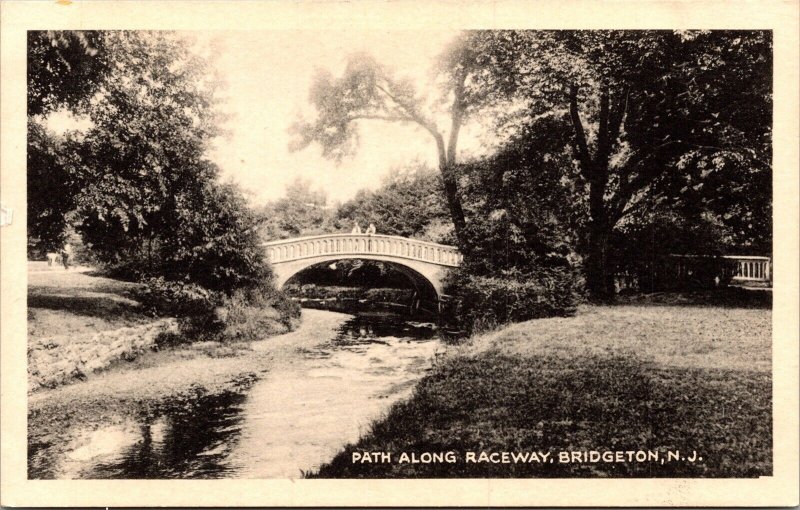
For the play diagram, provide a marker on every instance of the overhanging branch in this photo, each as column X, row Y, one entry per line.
column 582, row 148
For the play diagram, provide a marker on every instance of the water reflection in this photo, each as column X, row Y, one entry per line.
column 296, row 418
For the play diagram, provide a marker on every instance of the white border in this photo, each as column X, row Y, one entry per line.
column 17, row 16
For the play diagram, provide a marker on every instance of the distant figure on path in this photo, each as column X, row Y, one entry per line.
column 66, row 254
column 356, row 228
column 52, row 257
column 371, row 229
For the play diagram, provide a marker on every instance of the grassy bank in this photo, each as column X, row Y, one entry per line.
column 77, row 303
column 81, row 324
column 619, row 378
column 185, row 376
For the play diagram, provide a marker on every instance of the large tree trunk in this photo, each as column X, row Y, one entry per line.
column 454, row 203
column 595, row 169
column 599, row 270
column 447, row 169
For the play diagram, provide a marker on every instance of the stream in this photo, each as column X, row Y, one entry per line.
column 292, row 420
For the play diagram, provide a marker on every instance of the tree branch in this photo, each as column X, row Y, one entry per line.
column 618, row 115
column 627, row 186
column 627, row 210
column 582, row 148
column 603, row 139
column 387, row 118
column 457, row 116
column 411, row 112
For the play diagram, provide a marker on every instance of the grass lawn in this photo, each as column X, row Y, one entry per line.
column 77, row 303
column 650, row 377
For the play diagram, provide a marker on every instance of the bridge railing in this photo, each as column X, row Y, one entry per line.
column 362, row 244
column 752, row 269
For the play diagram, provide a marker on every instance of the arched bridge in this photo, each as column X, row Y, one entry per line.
column 423, row 262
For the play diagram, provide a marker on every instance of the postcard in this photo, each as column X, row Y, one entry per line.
column 399, row 253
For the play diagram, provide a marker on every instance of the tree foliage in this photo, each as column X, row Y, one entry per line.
column 64, row 68
column 369, row 91
column 53, row 185
column 147, row 198
column 653, row 115
column 409, row 203
column 524, row 210
column 302, row 211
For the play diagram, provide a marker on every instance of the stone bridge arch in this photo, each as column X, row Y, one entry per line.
column 421, row 261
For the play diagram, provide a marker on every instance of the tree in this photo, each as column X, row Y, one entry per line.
column 368, row 91
column 652, row 113
column 302, row 211
column 216, row 243
column 64, row 68
column 147, row 199
column 152, row 121
column 53, row 185
column 410, row 203
column 525, row 213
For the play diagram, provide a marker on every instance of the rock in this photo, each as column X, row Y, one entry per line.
column 62, row 366
column 51, row 343
column 119, row 343
column 78, row 373
column 94, row 365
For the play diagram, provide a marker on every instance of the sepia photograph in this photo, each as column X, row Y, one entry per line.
column 429, row 253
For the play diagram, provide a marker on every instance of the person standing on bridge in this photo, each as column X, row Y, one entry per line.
column 371, row 229
column 356, row 228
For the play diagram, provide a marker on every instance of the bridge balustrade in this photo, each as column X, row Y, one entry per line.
column 754, row 269
column 362, row 244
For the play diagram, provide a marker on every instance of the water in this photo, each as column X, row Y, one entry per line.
column 293, row 420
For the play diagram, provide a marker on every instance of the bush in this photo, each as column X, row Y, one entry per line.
column 192, row 304
column 483, row 302
column 250, row 314
column 380, row 294
column 175, row 298
column 694, row 273
column 247, row 314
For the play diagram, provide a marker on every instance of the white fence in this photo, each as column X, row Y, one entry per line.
column 752, row 269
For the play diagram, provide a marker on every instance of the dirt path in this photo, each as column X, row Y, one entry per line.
column 155, row 376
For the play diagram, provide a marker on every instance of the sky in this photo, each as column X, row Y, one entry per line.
column 268, row 76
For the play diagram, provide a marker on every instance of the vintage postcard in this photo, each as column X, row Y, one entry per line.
column 399, row 253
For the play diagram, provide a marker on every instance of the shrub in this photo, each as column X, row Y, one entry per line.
column 180, row 299
column 692, row 273
column 379, row 294
column 192, row 304
column 247, row 314
column 255, row 313
column 483, row 302
column 390, row 295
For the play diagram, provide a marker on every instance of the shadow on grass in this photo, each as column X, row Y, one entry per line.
column 494, row 403
column 100, row 306
column 730, row 297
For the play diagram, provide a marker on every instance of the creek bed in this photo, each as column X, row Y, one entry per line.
column 294, row 418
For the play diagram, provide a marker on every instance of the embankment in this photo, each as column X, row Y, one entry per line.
column 181, row 373
column 61, row 359
column 614, row 378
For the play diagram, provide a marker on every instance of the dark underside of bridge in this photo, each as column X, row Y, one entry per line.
column 370, row 274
